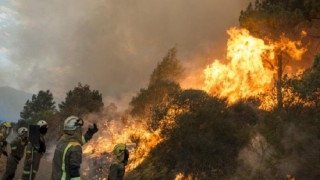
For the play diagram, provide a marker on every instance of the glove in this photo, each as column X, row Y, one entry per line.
column 92, row 130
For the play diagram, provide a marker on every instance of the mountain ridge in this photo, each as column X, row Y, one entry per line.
column 12, row 101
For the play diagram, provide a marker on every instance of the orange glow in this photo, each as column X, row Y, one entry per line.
column 251, row 66
column 115, row 132
column 179, row 176
column 132, row 131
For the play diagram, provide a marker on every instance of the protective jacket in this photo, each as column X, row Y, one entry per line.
column 3, row 142
column 68, row 156
column 17, row 152
column 38, row 151
column 117, row 168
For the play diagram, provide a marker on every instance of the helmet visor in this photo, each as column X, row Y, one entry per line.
column 79, row 122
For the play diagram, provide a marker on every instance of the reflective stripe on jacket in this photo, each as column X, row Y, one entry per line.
column 66, row 161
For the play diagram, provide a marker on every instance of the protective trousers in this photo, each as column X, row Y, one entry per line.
column 27, row 166
column 28, row 161
column 11, row 168
column 117, row 171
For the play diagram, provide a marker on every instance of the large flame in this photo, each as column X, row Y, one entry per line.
column 251, row 67
column 115, row 132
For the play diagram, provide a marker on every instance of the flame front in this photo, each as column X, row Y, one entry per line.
column 115, row 132
column 251, row 67
column 250, row 71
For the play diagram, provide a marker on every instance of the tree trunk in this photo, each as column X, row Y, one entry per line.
column 279, row 82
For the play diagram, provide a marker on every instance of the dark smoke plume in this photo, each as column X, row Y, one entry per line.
column 111, row 45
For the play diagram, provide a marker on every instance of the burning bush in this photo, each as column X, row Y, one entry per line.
column 205, row 141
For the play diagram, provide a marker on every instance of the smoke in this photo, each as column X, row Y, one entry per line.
column 110, row 123
column 111, row 45
column 302, row 148
column 253, row 158
column 260, row 160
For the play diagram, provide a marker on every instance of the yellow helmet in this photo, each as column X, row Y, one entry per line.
column 7, row 124
column 119, row 149
column 6, row 128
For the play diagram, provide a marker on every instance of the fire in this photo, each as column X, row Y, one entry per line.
column 115, row 132
column 179, row 176
column 124, row 129
column 251, row 67
column 245, row 75
column 250, row 71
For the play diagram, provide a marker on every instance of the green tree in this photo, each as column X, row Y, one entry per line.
column 169, row 69
column 273, row 17
column 163, row 85
column 41, row 106
column 81, row 100
column 307, row 84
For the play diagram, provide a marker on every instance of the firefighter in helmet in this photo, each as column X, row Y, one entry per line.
column 38, row 151
column 68, row 154
column 117, row 168
column 5, row 131
column 17, row 151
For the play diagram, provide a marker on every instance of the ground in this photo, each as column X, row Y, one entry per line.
column 43, row 173
column 2, row 165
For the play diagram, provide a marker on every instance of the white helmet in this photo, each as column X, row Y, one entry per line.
column 22, row 131
column 72, row 123
column 42, row 123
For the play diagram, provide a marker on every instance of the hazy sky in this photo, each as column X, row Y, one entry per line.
column 112, row 45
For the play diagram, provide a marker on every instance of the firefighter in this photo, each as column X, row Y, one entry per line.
column 68, row 154
column 38, row 151
column 117, row 168
column 17, row 151
column 5, row 131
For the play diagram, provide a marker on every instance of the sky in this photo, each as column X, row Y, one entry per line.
column 111, row 45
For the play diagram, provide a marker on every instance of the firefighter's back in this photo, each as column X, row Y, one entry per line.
column 57, row 161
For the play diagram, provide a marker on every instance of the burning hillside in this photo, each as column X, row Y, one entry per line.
column 250, row 71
